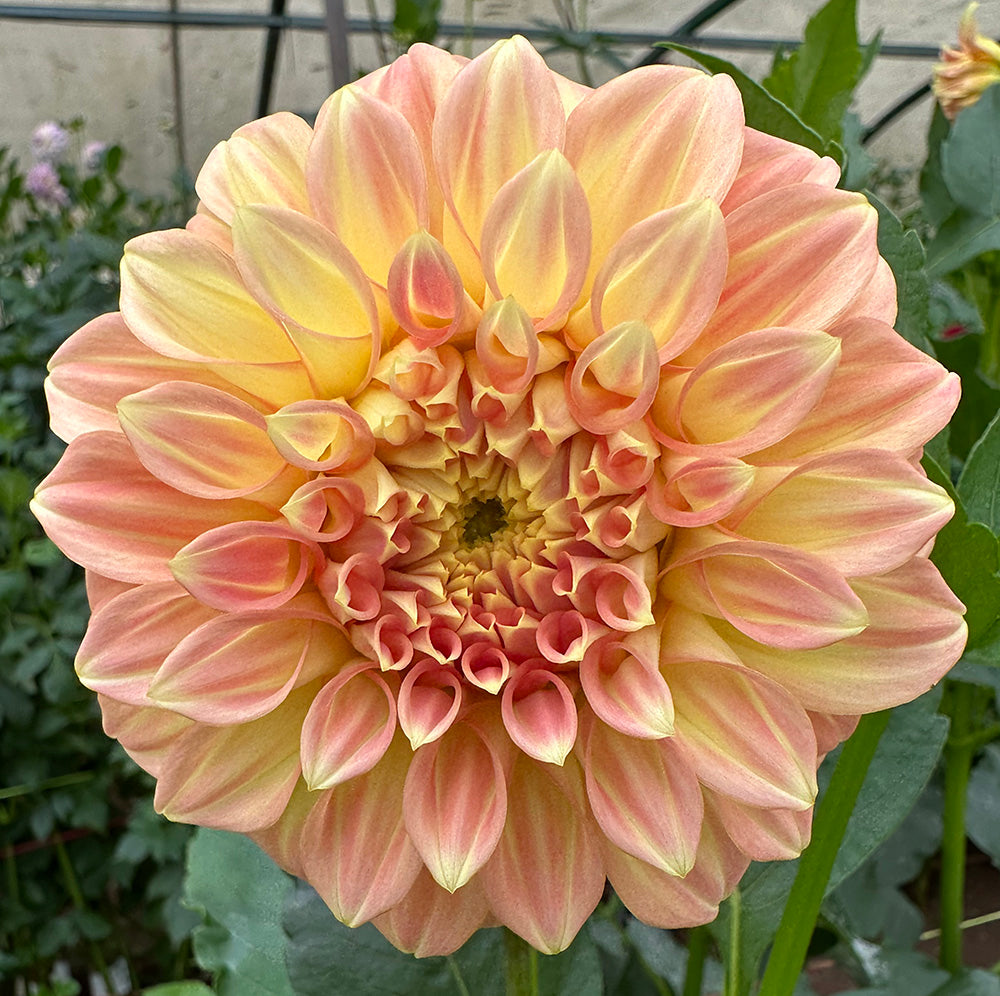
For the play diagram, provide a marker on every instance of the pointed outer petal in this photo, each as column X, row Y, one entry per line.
column 236, row 778
column 428, row 702
column 211, row 228
column 540, row 714
column 885, row 394
column 546, row 875
column 281, row 839
column 832, row 730
column 262, row 163
column 536, row 239
column 366, row 177
column 147, row 734
column 502, row 109
column 768, row 834
column 863, row 511
column 348, row 727
column 430, row 921
column 693, row 491
column 877, row 299
column 663, row 900
column 426, row 294
column 627, row 691
column 915, row 634
column 101, row 589
column 775, row 594
column 354, row 847
column 105, row 511
column 798, row 257
column 688, row 242
column 455, row 804
column 744, row 735
column 325, row 509
column 507, row 346
column 645, row 796
column 486, row 666
column 200, row 440
column 245, row 566
column 304, row 275
column 352, row 589
column 321, row 435
column 564, row 636
column 184, row 298
column 614, row 380
column 747, row 394
column 99, row 365
column 237, row 668
column 769, row 163
column 652, row 142
column 130, row 635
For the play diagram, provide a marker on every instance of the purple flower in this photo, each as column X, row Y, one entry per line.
column 42, row 182
column 49, row 142
column 93, row 153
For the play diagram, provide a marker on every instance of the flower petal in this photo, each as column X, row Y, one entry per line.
column 539, row 713
column 455, row 805
column 645, row 797
column 543, row 900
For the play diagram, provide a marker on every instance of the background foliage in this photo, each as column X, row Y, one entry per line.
column 92, row 877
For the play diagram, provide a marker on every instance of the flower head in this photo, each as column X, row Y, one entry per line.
column 502, row 487
column 964, row 73
column 93, row 155
column 49, row 142
column 42, row 182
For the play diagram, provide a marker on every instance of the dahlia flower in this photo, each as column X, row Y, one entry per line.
column 964, row 73
column 501, row 488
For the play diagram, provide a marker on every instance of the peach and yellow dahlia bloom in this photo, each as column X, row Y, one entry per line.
column 502, row 487
column 964, row 73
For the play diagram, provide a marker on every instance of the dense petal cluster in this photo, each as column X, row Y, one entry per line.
column 964, row 73
column 503, row 487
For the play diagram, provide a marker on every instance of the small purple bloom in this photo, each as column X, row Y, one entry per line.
column 93, row 153
column 42, row 182
column 49, row 142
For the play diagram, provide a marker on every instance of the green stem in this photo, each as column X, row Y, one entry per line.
column 958, row 754
column 522, row 966
column 697, row 951
column 732, row 982
column 791, row 942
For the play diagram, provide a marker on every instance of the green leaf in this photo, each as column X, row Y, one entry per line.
column 982, row 815
column 979, row 484
column 970, row 157
column 240, row 892
column 904, row 252
column 979, row 401
column 325, row 958
column 764, row 111
column 817, row 80
column 935, row 200
column 960, row 239
column 416, row 20
column 970, row 983
column 968, row 556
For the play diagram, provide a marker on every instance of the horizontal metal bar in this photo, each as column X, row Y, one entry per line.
column 537, row 32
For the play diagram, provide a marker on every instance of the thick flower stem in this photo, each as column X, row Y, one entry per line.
column 792, row 939
column 698, row 940
column 522, row 966
column 958, row 754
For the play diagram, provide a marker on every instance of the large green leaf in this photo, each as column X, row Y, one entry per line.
column 982, row 814
column 818, row 79
column 240, row 892
column 979, row 485
column 325, row 958
column 962, row 238
column 970, row 156
column 935, row 200
column 968, row 556
column 764, row 111
column 904, row 253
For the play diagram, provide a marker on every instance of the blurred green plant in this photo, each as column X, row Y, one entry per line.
column 90, row 874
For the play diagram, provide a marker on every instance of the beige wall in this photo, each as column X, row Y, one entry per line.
column 119, row 79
